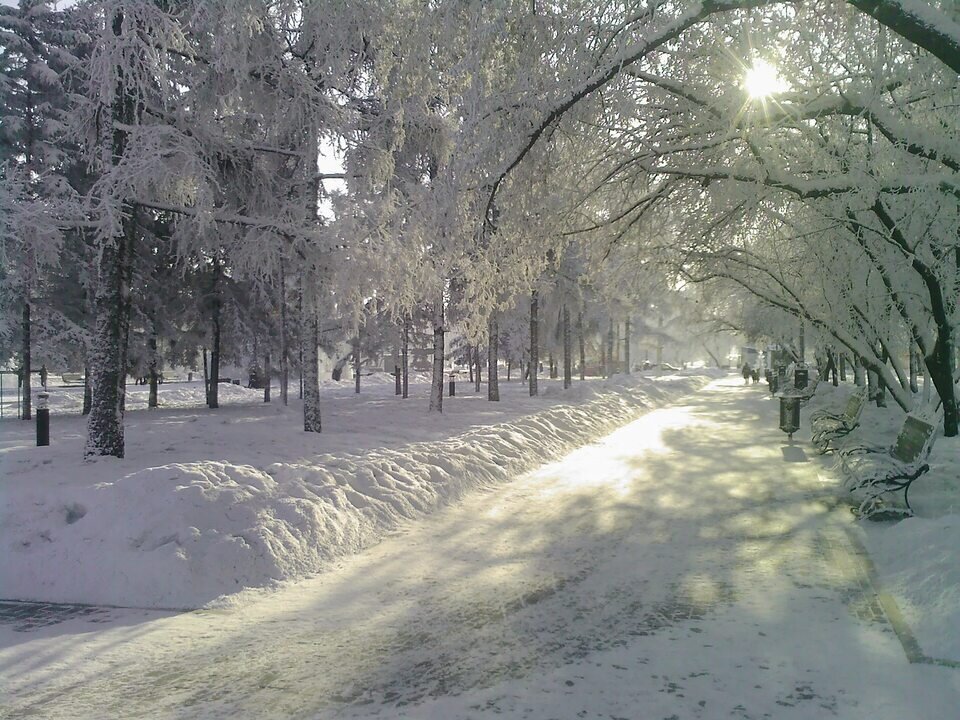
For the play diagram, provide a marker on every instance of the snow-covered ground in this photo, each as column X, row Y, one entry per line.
column 689, row 565
column 209, row 503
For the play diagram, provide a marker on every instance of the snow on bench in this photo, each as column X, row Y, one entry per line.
column 72, row 378
column 873, row 472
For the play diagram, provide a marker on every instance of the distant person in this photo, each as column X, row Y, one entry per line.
column 747, row 373
column 755, row 376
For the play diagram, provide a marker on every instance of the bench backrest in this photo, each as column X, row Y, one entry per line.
column 913, row 438
column 855, row 404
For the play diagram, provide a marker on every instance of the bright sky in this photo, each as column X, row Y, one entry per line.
column 763, row 80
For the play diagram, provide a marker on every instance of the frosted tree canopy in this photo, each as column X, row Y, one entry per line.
column 766, row 165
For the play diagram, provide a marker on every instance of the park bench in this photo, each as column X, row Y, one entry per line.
column 875, row 474
column 72, row 379
column 827, row 426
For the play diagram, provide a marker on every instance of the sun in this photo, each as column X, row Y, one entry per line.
column 762, row 80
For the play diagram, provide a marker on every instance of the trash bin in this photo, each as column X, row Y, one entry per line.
column 789, row 415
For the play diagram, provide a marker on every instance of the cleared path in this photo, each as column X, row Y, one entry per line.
column 688, row 566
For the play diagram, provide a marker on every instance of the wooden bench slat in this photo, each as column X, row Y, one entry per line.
column 914, row 435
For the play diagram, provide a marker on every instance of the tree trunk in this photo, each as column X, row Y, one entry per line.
column 284, row 341
column 108, row 358
column 881, row 397
column 356, row 364
column 470, row 362
column 940, row 367
column 153, row 366
column 843, row 367
column 267, row 372
column 436, row 384
column 493, row 376
column 914, row 387
column 405, row 357
column 534, row 363
column 942, row 361
column 617, row 348
column 310, row 365
column 25, row 369
column 397, row 383
column 87, row 390
column 567, row 349
column 553, row 366
column 603, row 358
column 509, row 368
column 873, row 389
column 583, row 347
column 213, row 397
column 610, row 356
column 305, row 323
column 626, row 347
column 206, row 377
column 478, row 379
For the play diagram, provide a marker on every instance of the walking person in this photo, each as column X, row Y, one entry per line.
column 746, row 373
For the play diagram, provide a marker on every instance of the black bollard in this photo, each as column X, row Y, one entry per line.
column 453, row 386
column 43, row 420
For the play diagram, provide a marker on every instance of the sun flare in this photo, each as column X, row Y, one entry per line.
column 762, row 80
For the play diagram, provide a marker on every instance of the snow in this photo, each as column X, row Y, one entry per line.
column 918, row 565
column 687, row 565
column 210, row 503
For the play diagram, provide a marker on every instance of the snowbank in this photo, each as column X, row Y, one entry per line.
column 917, row 563
column 182, row 534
